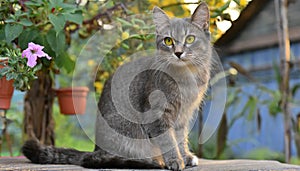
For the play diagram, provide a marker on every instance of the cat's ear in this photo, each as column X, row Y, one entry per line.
column 160, row 18
column 201, row 16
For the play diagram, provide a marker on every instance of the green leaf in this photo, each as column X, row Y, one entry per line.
column 251, row 106
column 56, row 41
column 124, row 22
column 295, row 89
column 64, row 60
column 58, row 22
column 2, row 34
column 149, row 36
column 232, row 97
column 25, row 22
column 42, row 40
column 56, row 3
column 37, row 68
column 125, row 46
column 277, row 73
column 4, row 71
column 237, row 1
column 140, row 46
column 267, row 90
column 274, row 104
column 75, row 17
column 12, row 31
column 35, row 3
column 274, row 107
column 10, row 20
column 137, row 36
column 138, row 21
column 10, row 76
column 27, row 36
column 224, row 7
column 68, row 8
column 51, row 39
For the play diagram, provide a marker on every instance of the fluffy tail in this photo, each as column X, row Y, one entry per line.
column 41, row 154
column 38, row 153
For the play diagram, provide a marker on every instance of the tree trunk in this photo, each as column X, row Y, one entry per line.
column 222, row 136
column 284, row 46
column 38, row 121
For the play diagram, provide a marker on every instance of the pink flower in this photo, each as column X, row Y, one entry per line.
column 33, row 52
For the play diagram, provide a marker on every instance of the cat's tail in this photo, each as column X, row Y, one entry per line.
column 41, row 154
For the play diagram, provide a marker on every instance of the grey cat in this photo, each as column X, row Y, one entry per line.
column 144, row 117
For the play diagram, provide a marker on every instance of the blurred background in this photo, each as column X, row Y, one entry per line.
column 257, row 122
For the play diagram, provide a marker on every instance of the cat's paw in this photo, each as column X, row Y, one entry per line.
column 175, row 164
column 191, row 160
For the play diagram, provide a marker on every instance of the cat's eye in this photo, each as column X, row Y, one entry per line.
column 190, row 39
column 168, row 41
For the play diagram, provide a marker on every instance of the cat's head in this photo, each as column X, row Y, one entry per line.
column 183, row 41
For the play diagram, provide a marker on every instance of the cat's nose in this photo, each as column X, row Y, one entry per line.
column 178, row 54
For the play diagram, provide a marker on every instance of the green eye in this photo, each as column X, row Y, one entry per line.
column 168, row 41
column 190, row 39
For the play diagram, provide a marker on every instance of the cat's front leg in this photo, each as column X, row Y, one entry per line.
column 182, row 138
column 169, row 148
column 189, row 158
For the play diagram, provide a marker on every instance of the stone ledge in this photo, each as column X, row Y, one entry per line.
column 21, row 163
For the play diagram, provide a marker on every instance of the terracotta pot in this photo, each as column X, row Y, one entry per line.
column 72, row 100
column 6, row 89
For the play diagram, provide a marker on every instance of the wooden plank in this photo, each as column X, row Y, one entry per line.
column 21, row 163
column 261, row 42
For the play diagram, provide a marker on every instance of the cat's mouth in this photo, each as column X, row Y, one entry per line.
column 180, row 62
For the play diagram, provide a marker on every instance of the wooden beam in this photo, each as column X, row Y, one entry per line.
column 285, row 54
column 245, row 17
column 261, row 42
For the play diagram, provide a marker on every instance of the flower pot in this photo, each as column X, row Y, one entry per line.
column 6, row 88
column 72, row 100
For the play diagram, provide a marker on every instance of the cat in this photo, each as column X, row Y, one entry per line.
column 161, row 99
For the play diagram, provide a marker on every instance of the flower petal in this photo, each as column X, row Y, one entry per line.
column 48, row 57
column 26, row 52
column 31, row 62
column 35, row 47
column 40, row 54
column 33, row 52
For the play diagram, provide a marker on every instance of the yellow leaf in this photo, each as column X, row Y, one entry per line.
column 118, row 42
column 243, row 2
column 170, row 14
column 125, row 35
column 105, row 74
column 98, row 86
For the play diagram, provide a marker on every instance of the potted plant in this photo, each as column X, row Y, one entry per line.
column 72, row 100
column 18, row 69
column 21, row 67
column 6, row 88
column 24, row 68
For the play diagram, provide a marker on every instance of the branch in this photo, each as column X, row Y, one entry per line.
column 106, row 15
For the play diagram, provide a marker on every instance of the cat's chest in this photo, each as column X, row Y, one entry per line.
column 189, row 87
column 191, row 95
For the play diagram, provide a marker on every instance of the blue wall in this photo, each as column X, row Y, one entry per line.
column 244, row 135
